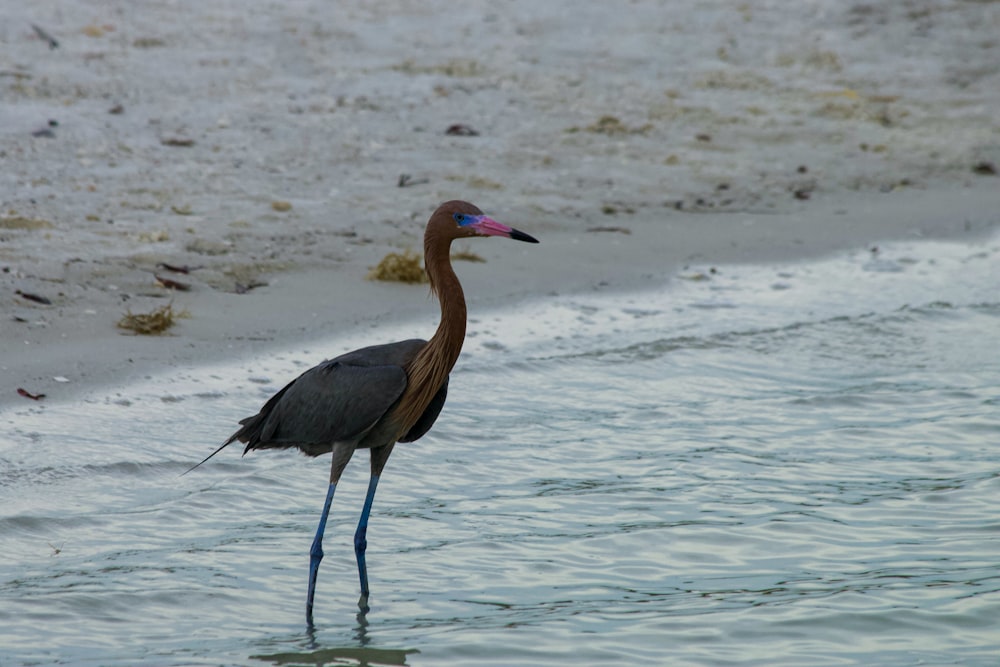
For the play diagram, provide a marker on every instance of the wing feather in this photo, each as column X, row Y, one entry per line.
column 332, row 402
column 339, row 400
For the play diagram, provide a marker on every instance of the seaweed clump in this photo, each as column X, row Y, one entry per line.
column 401, row 267
column 152, row 323
column 466, row 255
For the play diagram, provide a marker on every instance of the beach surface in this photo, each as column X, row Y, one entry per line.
column 279, row 151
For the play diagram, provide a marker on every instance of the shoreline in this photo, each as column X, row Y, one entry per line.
column 81, row 344
column 290, row 147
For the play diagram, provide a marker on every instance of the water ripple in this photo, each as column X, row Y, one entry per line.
column 784, row 477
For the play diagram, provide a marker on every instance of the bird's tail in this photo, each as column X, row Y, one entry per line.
column 250, row 431
column 221, row 447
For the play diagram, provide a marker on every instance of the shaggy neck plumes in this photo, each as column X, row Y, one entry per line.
column 428, row 370
column 447, row 340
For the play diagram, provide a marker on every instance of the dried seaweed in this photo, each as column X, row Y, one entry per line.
column 612, row 126
column 405, row 180
column 461, row 130
column 15, row 221
column 182, row 142
column 171, row 284
column 178, row 269
column 45, row 36
column 401, row 267
column 610, row 228
column 152, row 323
column 466, row 255
column 27, row 394
column 37, row 298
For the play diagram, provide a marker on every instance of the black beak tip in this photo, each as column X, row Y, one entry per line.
column 521, row 236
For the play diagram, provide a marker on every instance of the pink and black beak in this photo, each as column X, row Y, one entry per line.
column 486, row 226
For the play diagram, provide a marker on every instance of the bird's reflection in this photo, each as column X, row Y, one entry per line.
column 359, row 654
column 362, row 657
column 361, row 629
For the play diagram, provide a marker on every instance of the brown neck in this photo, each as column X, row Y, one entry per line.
column 429, row 369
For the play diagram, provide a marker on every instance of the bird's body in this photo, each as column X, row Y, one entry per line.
column 376, row 396
column 347, row 399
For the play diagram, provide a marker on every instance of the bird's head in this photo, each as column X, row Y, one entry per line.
column 459, row 219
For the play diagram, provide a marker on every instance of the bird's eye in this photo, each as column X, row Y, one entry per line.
column 459, row 218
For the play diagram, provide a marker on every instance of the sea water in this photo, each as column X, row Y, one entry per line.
column 747, row 465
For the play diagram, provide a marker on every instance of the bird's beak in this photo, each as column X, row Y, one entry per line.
column 485, row 226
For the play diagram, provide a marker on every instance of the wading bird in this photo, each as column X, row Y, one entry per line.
column 377, row 396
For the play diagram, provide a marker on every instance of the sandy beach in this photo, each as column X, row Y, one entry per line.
column 282, row 150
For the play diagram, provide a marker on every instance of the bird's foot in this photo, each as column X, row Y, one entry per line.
column 311, row 594
column 315, row 558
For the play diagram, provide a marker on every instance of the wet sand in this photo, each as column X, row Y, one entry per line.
column 287, row 148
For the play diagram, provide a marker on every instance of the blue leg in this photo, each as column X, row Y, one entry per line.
column 360, row 541
column 316, row 553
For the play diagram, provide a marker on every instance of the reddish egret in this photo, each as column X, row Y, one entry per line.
column 377, row 396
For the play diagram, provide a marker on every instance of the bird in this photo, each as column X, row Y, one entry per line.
column 375, row 396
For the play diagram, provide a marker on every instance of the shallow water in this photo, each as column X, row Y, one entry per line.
column 758, row 465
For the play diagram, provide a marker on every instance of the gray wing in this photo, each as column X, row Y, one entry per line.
column 332, row 402
column 337, row 401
